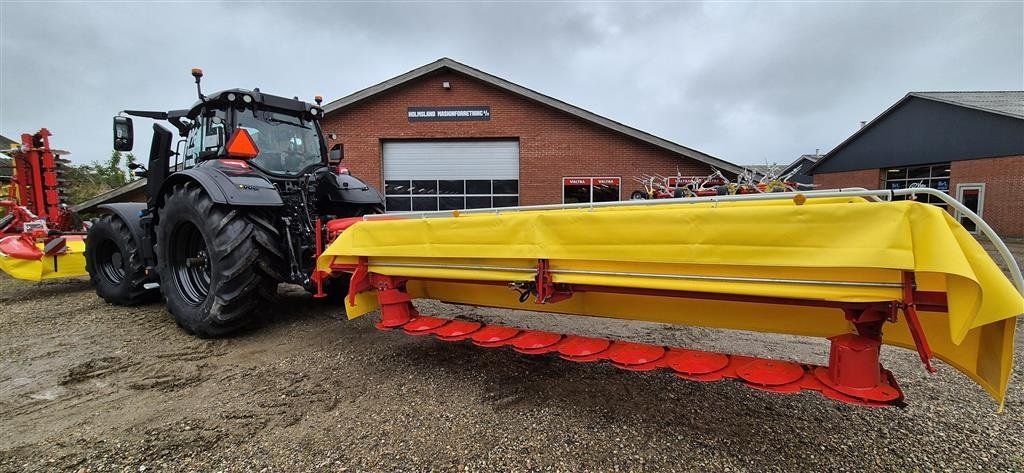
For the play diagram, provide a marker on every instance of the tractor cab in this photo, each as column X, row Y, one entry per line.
column 277, row 136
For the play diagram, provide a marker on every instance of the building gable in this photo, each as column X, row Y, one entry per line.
column 921, row 131
column 444, row 65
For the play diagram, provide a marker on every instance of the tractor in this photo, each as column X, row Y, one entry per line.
column 238, row 205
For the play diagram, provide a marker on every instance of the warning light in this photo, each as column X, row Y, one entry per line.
column 241, row 145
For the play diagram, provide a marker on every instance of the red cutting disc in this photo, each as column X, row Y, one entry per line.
column 535, row 339
column 770, row 372
column 457, row 330
column 791, row 388
column 629, row 353
column 705, row 378
column 494, row 335
column 693, row 362
column 838, row 396
column 587, row 359
column 886, row 391
column 538, row 351
column 575, row 346
column 642, row 366
column 423, row 325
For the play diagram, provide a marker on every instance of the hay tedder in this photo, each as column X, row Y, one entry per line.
column 656, row 186
column 252, row 197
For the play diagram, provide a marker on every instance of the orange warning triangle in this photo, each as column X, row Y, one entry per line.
column 241, row 145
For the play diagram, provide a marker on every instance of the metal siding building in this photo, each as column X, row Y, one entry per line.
column 969, row 144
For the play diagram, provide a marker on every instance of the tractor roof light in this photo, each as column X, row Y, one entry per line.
column 232, row 97
column 247, row 98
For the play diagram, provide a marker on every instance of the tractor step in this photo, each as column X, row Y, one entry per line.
column 854, row 369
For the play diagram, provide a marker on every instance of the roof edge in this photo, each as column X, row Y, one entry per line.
column 447, row 63
column 923, row 95
column 891, row 108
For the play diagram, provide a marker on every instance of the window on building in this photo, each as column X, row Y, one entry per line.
column 577, row 190
column 450, row 194
column 935, row 176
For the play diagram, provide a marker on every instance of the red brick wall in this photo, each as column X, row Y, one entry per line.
column 866, row 178
column 1004, row 190
column 552, row 144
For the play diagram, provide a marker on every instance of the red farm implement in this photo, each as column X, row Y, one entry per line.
column 40, row 238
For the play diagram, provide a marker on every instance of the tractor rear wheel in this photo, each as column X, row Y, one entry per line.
column 114, row 263
column 219, row 265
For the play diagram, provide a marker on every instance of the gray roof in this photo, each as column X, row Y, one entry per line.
column 455, row 66
column 1009, row 103
column 5, row 142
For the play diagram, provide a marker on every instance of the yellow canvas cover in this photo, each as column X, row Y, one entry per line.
column 69, row 264
column 764, row 245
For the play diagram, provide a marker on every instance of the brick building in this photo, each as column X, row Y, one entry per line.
column 968, row 144
column 447, row 136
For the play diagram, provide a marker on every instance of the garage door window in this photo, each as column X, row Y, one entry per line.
column 577, row 190
column 450, row 194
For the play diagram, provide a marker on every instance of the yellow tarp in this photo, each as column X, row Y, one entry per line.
column 841, row 240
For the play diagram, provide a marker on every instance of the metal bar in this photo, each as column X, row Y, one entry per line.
column 845, row 192
column 454, row 266
column 809, row 282
column 647, row 275
column 716, row 296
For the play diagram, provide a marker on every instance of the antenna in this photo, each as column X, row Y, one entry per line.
column 198, row 74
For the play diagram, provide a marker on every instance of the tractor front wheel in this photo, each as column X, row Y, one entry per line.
column 114, row 263
column 219, row 265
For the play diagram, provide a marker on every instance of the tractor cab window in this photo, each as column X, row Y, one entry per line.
column 205, row 138
column 287, row 145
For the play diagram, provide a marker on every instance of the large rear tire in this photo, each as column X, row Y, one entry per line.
column 219, row 265
column 115, row 265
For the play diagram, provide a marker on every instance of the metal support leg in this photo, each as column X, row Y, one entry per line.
column 396, row 307
column 853, row 366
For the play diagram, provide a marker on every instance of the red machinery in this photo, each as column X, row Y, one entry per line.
column 37, row 224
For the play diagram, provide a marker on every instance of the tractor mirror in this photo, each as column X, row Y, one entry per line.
column 124, row 136
column 336, row 154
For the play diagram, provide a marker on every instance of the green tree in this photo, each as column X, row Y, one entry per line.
column 86, row 181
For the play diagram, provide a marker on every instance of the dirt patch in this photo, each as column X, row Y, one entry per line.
column 93, row 387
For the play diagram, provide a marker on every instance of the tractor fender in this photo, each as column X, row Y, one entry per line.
column 130, row 213
column 226, row 189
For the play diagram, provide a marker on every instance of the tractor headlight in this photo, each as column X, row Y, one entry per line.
column 232, row 97
column 314, row 111
column 247, row 98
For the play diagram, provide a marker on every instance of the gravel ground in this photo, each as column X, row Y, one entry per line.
column 86, row 386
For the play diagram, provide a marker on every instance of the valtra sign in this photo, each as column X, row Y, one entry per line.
column 450, row 114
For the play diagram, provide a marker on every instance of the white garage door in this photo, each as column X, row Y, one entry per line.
column 449, row 175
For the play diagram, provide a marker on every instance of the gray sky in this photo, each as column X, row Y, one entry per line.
column 745, row 82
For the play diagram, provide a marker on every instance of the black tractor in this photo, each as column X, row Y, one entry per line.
column 239, row 204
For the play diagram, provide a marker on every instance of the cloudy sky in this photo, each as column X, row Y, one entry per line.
column 746, row 82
